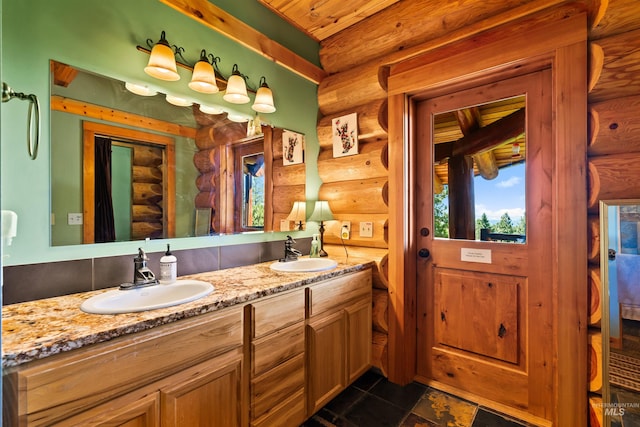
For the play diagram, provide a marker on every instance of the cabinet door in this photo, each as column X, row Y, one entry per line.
column 209, row 394
column 122, row 412
column 358, row 339
column 326, row 376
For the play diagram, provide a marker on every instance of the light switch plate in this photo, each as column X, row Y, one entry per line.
column 284, row 225
column 366, row 229
column 74, row 219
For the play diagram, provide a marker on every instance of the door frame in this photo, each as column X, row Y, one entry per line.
column 514, row 49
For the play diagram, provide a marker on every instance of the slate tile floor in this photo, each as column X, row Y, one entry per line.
column 372, row 401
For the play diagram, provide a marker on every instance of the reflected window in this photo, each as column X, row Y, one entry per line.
column 249, row 195
column 479, row 172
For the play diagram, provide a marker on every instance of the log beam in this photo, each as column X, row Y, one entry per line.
column 614, row 126
column 462, row 223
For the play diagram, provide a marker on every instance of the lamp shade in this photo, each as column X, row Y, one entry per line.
column 178, row 101
column 321, row 212
column 162, row 62
column 298, row 212
column 140, row 89
column 236, row 92
column 203, row 79
column 264, row 98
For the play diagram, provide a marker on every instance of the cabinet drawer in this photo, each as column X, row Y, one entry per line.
column 276, row 313
column 333, row 294
column 65, row 384
column 274, row 349
column 288, row 413
column 276, row 385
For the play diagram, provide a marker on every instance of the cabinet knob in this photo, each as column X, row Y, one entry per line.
column 424, row 253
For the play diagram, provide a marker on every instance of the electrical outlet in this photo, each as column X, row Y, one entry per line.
column 345, row 230
column 366, row 229
column 74, row 219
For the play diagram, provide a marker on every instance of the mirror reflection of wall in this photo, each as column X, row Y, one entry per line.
column 479, row 182
column 620, row 269
column 76, row 97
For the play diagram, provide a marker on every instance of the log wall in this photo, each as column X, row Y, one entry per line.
column 356, row 59
column 613, row 148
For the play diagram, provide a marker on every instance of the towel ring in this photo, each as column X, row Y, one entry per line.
column 33, row 116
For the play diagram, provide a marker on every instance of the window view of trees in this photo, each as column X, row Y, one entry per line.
column 441, row 219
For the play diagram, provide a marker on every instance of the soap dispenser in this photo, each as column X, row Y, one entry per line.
column 315, row 247
column 168, row 268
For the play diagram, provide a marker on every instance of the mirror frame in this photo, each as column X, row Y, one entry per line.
column 604, row 299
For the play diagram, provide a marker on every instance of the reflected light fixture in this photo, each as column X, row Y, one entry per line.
column 178, row 101
column 162, row 60
column 203, row 79
column 211, row 109
column 238, row 118
column 236, row 92
column 140, row 89
column 298, row 214
column 264, row 98
column 321, row 213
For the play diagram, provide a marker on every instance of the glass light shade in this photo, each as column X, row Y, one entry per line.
column 236, row 92
column 321, row 212
column 178, row 101
column 238, row 118
column 211, row 109
column 203, row 79
column 140, row 89
column 298, row 212
column 264, row 100
column 162, row 63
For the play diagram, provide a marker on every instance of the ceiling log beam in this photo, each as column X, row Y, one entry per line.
column 470, row 120
column 218, row 20
column 485, row 138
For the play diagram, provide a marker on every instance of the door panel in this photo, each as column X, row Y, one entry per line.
column 480, row 303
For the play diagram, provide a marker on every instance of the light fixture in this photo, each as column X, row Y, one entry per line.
column 178, row 101
column 264, row 98
column 236, row 92
column 321, row 213
column 237, row 117
column 211, row 109
column 298, row 213
column 140, row 89
column 203, row 79
column 162, row 61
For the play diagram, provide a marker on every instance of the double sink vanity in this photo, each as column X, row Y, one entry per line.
column 265, row 347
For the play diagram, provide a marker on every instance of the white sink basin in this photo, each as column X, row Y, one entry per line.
column 304, row 265
column 147, row 298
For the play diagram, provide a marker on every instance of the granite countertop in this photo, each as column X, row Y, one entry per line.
column 38, row 329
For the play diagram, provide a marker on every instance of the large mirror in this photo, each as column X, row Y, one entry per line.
column 620, row 296
column 479, row 172
column 127, row 167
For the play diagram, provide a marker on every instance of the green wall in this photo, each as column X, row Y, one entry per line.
column 101, row 36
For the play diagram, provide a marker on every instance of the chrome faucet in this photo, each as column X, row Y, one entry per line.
column 290, row 253
column 142, row 275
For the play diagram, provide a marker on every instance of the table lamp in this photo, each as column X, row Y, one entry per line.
column 321, row 213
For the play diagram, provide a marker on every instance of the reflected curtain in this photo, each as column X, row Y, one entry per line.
column 105, row 230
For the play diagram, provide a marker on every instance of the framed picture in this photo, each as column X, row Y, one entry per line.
column 345, row 135
column 292, row 148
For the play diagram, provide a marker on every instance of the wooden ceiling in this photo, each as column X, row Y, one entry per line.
column 321, row 19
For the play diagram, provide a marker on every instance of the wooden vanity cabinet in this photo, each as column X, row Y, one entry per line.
column 276, row 337
column 338, row 336
column 181, row 374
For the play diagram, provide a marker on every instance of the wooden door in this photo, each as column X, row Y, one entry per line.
column 326, row 375
column 482, row 304
column 359, row 339
column 208, row 394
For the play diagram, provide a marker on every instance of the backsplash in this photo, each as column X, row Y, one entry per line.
column 38, row 281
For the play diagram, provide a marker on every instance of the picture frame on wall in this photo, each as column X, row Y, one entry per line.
column 292, row 148
column 345, row 135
